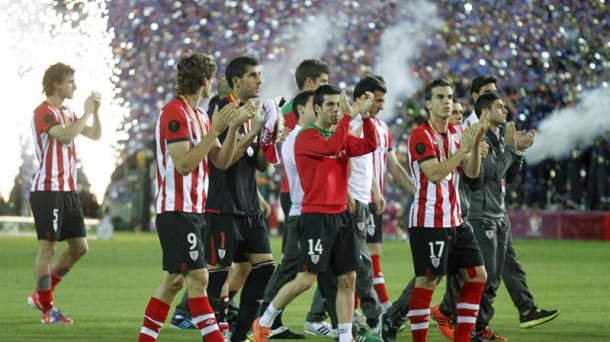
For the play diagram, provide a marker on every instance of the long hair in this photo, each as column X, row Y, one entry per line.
column 55, row 74
column 192, row 69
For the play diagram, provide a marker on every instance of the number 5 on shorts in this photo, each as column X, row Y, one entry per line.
column 55, row 219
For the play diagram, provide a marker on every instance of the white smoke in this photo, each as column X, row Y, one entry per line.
column 400, row 43
column 311, row 41
column 563, row 130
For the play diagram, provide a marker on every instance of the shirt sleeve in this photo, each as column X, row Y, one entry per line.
column 174, row 125
column 420, row 146
column 44, row 119
column 360, row 146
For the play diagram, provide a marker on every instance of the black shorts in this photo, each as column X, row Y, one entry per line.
column 328, row 242
column 229, row 238
column 180, row 237
column 443, row 251
column 374, row 235
column 58, row 215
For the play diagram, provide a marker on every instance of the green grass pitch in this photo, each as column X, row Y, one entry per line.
column 108, row 290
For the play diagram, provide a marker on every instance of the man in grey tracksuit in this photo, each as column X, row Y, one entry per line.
column 513, row 274
column 488, row 213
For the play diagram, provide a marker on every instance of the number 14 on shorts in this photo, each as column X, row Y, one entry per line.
column 315, row 249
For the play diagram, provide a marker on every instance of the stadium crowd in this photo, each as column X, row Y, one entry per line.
column 544, row 55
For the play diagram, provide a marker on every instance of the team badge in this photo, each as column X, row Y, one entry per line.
column 371, row 230
column 436, row 262
column 250, row 151
column 490, row 234
column 173, row 126
column 49, row 118
column 360, row 226
column 420, row 148
column 194, row 255
column 315, row 259
column 221, row 253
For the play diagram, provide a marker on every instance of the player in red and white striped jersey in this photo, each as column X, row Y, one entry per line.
column 440, row 243
column 186, row 138
column 56, row 207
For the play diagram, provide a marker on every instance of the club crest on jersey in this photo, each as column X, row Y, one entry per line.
column 371, row 230
column 360, row 226
column 420, row 148
column 338, row 155
column 49, row 118
column 490, row 233
column 194, row 255
column 436, row 262
column 315, row 259
column 222, row 253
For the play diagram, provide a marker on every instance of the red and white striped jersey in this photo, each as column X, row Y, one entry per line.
column 175, row 192
column 434, row 205
column 56, row 161
column 380, row 155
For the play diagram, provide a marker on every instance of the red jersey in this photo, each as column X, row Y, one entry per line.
column 175, row 192
column 322, row 159
column 380, row 156
column 434, row 205
column 56, row 161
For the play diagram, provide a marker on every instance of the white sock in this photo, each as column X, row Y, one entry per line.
column 345, row 332
column 269, row 316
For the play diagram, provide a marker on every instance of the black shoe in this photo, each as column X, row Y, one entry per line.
column 232, row 313
column 475, row 338
column 388, row 330
column 283, row 333
column 532, row 318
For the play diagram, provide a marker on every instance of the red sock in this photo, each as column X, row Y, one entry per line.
column 419, row 313
column 45, row 297
column 203, row 317
column 468, row 310
column 356, row 301
column 55, row 279
column 379, row 281
column 154, row 317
